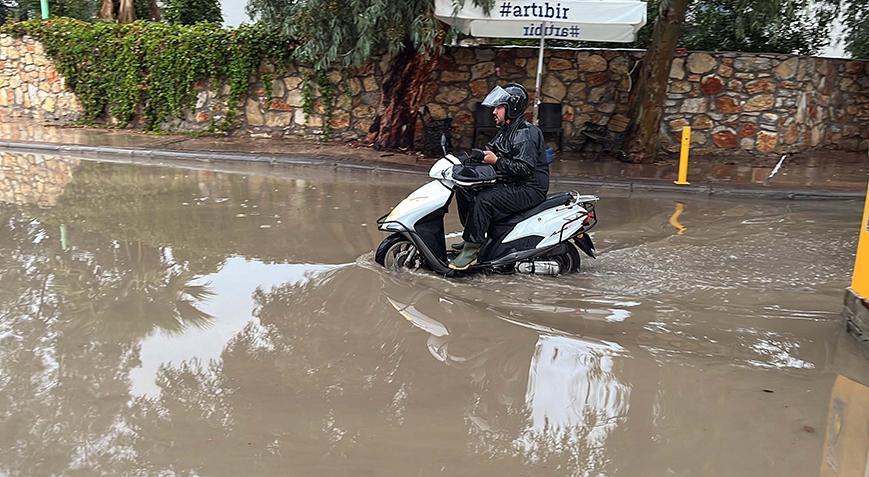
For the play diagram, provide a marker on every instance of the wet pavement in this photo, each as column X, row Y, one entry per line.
column 198, row 321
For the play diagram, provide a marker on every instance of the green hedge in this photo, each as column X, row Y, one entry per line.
column 115, row 68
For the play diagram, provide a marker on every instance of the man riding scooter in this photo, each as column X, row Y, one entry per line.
column 518, row 154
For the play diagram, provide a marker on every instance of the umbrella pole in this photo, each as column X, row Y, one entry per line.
column 538, row 98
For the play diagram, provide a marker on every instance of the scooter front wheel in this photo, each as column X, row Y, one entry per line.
column 396, row 252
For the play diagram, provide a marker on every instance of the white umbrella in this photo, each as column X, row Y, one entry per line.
column 590, row 20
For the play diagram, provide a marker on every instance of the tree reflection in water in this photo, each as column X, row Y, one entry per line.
column 575, row 400
column 574, row 396
column 72, row 322
column 141, row 288
column 329, row 379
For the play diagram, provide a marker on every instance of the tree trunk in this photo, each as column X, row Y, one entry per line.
column 648, row 100
column 107, row 10
column 403, row 92
column 126, row 13
column 153, row 10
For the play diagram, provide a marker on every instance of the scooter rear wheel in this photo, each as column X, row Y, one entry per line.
column 396, row 252
column 569, row 260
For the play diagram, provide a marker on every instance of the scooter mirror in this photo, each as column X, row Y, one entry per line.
column 444, row 143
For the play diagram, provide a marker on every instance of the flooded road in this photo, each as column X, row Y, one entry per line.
column 167, row 321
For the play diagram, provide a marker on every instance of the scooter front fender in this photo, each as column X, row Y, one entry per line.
column 419, row 204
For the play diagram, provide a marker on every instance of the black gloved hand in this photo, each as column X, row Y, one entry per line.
column 476, row 155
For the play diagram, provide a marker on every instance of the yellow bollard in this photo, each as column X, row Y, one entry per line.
column 860, row 279
column 683, row 156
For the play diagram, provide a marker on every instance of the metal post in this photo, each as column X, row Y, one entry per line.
column 683, row 156
column 538, row 97
column 44, row 5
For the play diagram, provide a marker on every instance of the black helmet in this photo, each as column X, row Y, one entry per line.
column 512, row 95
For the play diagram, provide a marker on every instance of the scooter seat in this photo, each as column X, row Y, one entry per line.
column 553, row 200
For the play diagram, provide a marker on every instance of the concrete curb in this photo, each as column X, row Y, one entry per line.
column 98, row 152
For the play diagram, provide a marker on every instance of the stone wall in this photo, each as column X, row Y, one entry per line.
column 30, row 86
column 768, row 103
column 755, row 103
column 276, row 111
column 591, row 86
column 734, row 102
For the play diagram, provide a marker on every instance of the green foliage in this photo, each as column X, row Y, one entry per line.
column 189, row 12
column 771, row 26
column 307, row 94
column 7, row 10
column 340, row 33
column 327, row 97
column 856, row 21
column 781, row 26
column 87, row 10
column 30, row 9
column 249, row 46
column 153, row 66
column 140, row 7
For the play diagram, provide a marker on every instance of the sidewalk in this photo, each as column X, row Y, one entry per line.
column 832, row 174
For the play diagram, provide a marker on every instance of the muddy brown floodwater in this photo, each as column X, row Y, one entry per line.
column 172, row 321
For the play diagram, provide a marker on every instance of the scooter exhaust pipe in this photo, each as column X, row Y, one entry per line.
column 539, row 267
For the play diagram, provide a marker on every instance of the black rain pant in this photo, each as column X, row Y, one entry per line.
column 480, row 207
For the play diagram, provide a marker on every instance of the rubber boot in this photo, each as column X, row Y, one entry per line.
column 458, row 246
column 467, row 258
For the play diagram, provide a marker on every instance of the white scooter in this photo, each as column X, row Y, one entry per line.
column 541, row 240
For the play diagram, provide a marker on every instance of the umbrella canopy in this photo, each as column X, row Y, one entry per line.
column 589, row 20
